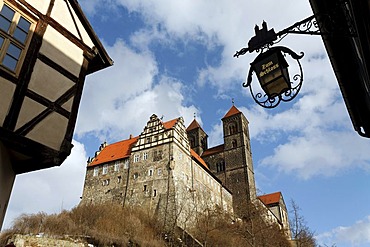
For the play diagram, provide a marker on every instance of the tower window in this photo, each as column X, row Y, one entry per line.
column 192, row 142
column 234, row 144
column 232, row 128
column 220, row 166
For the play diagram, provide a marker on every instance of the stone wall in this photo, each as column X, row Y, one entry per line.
column 41, row 241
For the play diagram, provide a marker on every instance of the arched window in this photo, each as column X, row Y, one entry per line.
column 204, row 143
column 234, row 144
column 232, row 128
column 192, row 142
column 220, row 165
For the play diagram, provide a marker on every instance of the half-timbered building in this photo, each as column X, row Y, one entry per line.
column 47, row 48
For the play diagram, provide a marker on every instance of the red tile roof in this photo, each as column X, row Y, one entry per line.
column 198, row 158
column 114, row 151
column 214, row 150
column 270, row 198
column 193, row 125
column 170, row 124
column 233, row 111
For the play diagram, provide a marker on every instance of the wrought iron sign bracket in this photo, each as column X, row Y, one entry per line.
column 264, row 38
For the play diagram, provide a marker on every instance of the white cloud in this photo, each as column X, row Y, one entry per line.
column 49, row 190
column 228, row 24
column 357, row 234
column 118, row 101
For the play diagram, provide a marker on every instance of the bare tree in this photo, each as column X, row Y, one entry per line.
column 301, row 234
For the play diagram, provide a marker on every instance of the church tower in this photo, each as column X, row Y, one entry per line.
column 231, row 161
column 197, row 137
column 239, row 171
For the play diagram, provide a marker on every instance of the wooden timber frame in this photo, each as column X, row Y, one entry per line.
column 26, row 154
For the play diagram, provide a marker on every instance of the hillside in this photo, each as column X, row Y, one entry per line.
column 113, row 225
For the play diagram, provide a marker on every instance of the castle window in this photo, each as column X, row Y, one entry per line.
column 136, row 175
column 14, row 34
column 159, row 171
column 150, row 172
column 105, row 169
column 145, row 156
column 105, row 182
column 157, row 155
column 116, row 166
column 148, row 140
column 126, row 164
column 136, row 157
column 145, row 187
column 119, row 178
column 154, row 193
column 96, row 171
column 234, row 143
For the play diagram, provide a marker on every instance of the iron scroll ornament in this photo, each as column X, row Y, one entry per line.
column 286, row 96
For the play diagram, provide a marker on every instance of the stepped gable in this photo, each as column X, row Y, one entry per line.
column 233, row 111
column 114, row 151
column 270, row 199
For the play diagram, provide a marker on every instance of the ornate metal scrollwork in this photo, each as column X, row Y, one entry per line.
column 270, row 102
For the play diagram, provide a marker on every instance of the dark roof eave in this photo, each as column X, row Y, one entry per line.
column 102, row 59
column 350, row 59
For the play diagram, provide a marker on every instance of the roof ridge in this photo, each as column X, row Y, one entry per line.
column 232, row 111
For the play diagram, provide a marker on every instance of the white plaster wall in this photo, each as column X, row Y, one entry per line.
column 6, row 97
column 7, row 177
column 50, row 131
column 29, row 110
column 48, row 82
column 40, row 5
column 62, row 51
column 62, row 15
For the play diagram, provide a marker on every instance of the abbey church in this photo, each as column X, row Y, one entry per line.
column 169, row 170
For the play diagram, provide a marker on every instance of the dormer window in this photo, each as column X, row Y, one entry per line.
column 14, row 36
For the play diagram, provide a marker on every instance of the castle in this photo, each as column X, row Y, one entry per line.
column 169, row 170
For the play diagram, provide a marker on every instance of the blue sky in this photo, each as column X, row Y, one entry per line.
column 175, row 58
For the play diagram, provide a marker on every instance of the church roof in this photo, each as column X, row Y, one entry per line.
column 272, row 198
column 193, row 125
column 233, row 111
column 198, row 158
column 114, row 151
column 214, row 150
